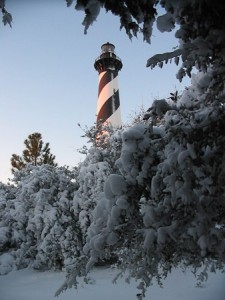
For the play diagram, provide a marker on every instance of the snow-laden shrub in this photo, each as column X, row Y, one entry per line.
column 7, row 195
column 93, row 172
column 165, row 204
column 44, row 230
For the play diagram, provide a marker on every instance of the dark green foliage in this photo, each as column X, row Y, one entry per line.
column 36, row 153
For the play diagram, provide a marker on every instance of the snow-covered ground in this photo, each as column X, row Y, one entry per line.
column 28, row 284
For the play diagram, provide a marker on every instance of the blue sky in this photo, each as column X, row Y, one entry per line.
column 49, row 84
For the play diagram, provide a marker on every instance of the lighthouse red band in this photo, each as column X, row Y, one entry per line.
column 108, row 65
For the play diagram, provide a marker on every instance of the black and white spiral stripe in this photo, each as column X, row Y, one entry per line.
column 108, row 108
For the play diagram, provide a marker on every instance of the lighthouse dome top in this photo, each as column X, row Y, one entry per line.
column 108, row 47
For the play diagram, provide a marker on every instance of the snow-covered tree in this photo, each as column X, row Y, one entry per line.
column 44, row 232
column 6, row 16
column 167, row 205
column 164, row 206
column 92, row 173
column 7, row 196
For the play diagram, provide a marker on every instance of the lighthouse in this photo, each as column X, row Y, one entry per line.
column 108, row 65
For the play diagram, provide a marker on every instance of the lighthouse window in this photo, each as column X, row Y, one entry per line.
column 107, row 48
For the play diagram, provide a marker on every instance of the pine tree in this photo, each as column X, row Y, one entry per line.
column 36, row 153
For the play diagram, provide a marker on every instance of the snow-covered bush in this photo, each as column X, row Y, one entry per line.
column 46, row 224
column 93, row 172
column 7, row 196
column 165, row 204
column 44, row 230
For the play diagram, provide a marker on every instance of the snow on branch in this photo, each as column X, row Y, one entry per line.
column 158, row 59
column 7, row 17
